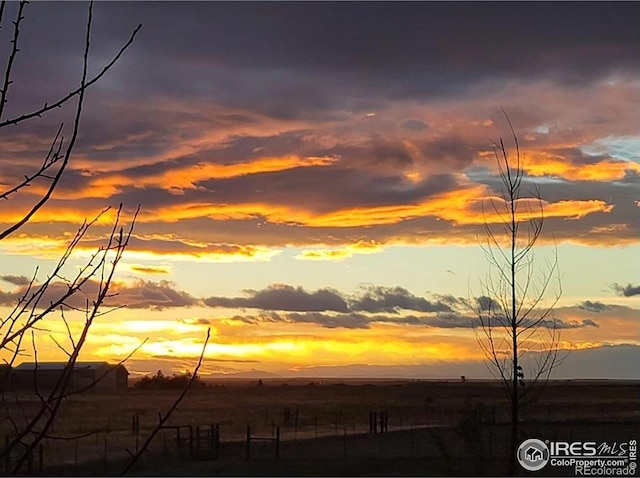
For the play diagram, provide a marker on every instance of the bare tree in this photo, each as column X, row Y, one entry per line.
column 162, row 419
column 515, row 327
column 33, row 312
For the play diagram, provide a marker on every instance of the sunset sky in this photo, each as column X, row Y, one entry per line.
column 311, row 178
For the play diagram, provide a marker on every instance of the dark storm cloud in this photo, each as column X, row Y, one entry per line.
column 306, row 187
column 456, row 41
column 15, row 280
column 569, row 324
column 319, row 62
column 139, row 295
column 452, row 150
column 261, row 54
column 154, row 295
column 370, row 299
column 392, row 300
column 487, row 303
column 322, row 189
column 595, row 307
column 345, row 321
column 626, row 291
column 354, row 320
column 388, row 154
column 350, row 320
column 284, row 297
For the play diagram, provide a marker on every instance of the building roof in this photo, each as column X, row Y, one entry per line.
column 60, row 365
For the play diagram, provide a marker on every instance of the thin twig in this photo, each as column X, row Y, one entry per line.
column 163, row 418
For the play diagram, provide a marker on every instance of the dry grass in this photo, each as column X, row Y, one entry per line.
column 325, row 409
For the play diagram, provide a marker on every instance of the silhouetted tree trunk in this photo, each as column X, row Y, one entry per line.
column 514, row 313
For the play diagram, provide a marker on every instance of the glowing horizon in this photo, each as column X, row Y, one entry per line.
column 323, row 206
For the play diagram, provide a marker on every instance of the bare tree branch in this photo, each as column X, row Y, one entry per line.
column 31, row 314
column 518, row 319
column 12, row 56
column 57, row 104
column 163, row 418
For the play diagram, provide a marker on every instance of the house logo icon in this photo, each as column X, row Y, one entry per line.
column 533, row 454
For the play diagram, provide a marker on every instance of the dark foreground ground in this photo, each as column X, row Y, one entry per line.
column 434, row 429
column 418, row 452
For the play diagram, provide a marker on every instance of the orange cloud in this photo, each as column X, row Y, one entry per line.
column 141, row 250
column 463, row 206
column 147, row 269
column 545, row 164
column 180, row 178
column 210, row 253
column 341, row 253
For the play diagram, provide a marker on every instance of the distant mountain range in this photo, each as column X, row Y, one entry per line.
column 608, row 362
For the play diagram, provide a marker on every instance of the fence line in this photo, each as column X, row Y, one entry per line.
column 432, row 431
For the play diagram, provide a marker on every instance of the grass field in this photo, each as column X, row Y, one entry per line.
column 438, row 425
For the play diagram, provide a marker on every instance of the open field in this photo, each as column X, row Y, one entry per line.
column 434, row 428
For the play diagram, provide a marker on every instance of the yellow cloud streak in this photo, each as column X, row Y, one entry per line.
column 145, row 269
column 339, row 254
column 180, row 178
column 50, row 248
column 544, row 164
column 461, row 207
column 308, row 345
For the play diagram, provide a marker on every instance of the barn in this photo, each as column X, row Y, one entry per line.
column 95, row 375
column 5, row 376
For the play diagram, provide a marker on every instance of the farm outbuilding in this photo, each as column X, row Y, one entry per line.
column 94, row 375
column 5, row 376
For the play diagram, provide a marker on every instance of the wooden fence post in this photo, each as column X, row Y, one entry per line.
column 191, row 441
column 7, row 456
column 248, row 447
column 30, row 462
column 344, row 443
column 197, row 441
column 490, row 441
column 40, row 456
column 412, row 442
column 216, row 440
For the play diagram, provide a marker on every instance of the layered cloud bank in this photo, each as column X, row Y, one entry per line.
column 282, row 154
column 282, row 136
